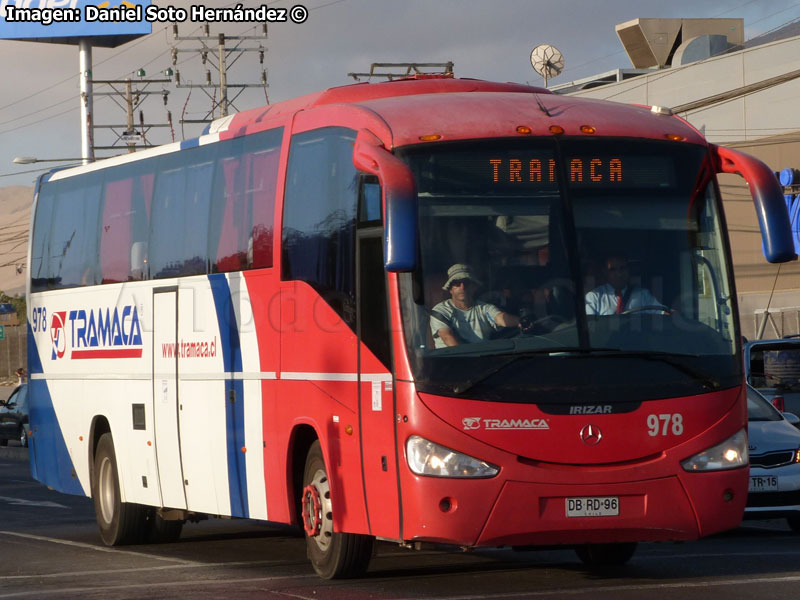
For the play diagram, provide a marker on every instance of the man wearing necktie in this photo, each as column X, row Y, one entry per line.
column 618, row 296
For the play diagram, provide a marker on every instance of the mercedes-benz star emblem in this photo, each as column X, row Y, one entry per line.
column 591, row 435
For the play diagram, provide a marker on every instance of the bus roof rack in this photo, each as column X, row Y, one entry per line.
column 412, row 71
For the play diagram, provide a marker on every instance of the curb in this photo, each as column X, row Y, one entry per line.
column 14, row 453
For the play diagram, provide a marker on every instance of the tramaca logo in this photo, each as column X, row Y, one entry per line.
column 97, row 333
column 58, row 335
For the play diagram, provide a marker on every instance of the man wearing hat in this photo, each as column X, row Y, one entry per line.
column 460, row 319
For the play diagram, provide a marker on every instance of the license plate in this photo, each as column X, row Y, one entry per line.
column 763, row 483
column 597, row 506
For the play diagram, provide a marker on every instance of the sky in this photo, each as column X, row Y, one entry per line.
column 39, row 88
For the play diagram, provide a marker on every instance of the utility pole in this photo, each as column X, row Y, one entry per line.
column 223, row 78
column 129, row 111
column 129, row 95
column 221, row 60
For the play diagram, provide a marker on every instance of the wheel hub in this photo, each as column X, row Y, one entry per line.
column 318, row 510
column 312, row 508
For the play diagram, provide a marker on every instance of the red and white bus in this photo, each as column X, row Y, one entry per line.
column 240, row 325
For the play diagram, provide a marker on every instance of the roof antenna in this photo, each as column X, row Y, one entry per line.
column 542, row 107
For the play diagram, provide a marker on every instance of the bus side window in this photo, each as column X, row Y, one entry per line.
column 264, row 173
column 242, row 212
column 73, row 242
column 180, row 212
column 369, row 210
column 124, row 222
column 115, row 231
column 320, row 215
column 40, row 247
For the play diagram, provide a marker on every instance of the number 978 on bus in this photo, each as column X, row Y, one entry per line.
column 39, row 319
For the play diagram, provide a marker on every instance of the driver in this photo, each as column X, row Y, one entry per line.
column 618, row 295
column 461, row 319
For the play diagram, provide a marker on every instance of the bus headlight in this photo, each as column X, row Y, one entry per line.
column 730, row 454
column 426, row 458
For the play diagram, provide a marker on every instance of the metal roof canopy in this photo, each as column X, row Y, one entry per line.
column 652, row 42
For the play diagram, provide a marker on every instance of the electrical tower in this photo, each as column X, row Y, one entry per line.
column 129, row 95
column 215, row 54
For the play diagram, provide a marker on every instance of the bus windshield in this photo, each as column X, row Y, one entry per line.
column 550, row 268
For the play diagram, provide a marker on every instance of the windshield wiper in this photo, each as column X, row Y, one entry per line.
column 705, row 379
column 460, row 388
column 708, row 381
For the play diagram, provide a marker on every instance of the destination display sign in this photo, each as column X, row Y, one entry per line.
column 534, row 170
column 602, row 170
column 500, row 168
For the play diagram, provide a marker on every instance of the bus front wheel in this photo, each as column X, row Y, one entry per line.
column 605, row 555
column 120, row 522
column 333, row 555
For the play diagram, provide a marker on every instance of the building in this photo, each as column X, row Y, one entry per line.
column 8, row 314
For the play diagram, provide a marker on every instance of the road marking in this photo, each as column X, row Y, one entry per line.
column 98, row 548
column 252, row 563
column 595, row 591
column 107, row 589
column 23, row 502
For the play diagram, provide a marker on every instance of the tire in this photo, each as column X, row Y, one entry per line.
column 605, row 555
column 333, row 555
column 120, row 522
column 161, row 531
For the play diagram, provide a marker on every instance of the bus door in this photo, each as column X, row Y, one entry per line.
column 376, row 388
column 165, row 397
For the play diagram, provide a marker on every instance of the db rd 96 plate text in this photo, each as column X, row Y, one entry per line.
column 593, row 506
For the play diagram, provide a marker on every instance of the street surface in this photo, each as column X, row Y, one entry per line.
column 50, row 548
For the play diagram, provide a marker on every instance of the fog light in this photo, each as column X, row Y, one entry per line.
column 447, row 505
column 727, row 496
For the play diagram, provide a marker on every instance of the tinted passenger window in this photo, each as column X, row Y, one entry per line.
column 41, row 239
column 319, row 216
column 65, row 240
column 179, row 222
column 125, row 217
column 242, row 213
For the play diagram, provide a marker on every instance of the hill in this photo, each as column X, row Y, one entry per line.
column 15, row 213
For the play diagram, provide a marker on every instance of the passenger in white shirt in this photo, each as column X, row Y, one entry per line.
column 618, row 295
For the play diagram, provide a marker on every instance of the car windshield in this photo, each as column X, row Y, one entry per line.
column 775, row 365
column 610, row 253
column 18, row 398
column 759, row 408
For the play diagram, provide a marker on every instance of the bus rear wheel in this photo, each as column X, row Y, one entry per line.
column 333, row 555
column 605, row 555
column 120, row 522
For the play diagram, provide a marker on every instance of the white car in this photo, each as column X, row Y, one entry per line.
column 774, row 462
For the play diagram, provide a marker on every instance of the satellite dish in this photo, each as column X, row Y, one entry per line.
column 547, row 61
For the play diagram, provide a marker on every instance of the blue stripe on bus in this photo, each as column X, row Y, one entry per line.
column 193, row 143
column 51, row 463
column 234, row 390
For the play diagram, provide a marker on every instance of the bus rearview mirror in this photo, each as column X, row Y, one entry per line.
column 399, row 200
column 773, row 216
